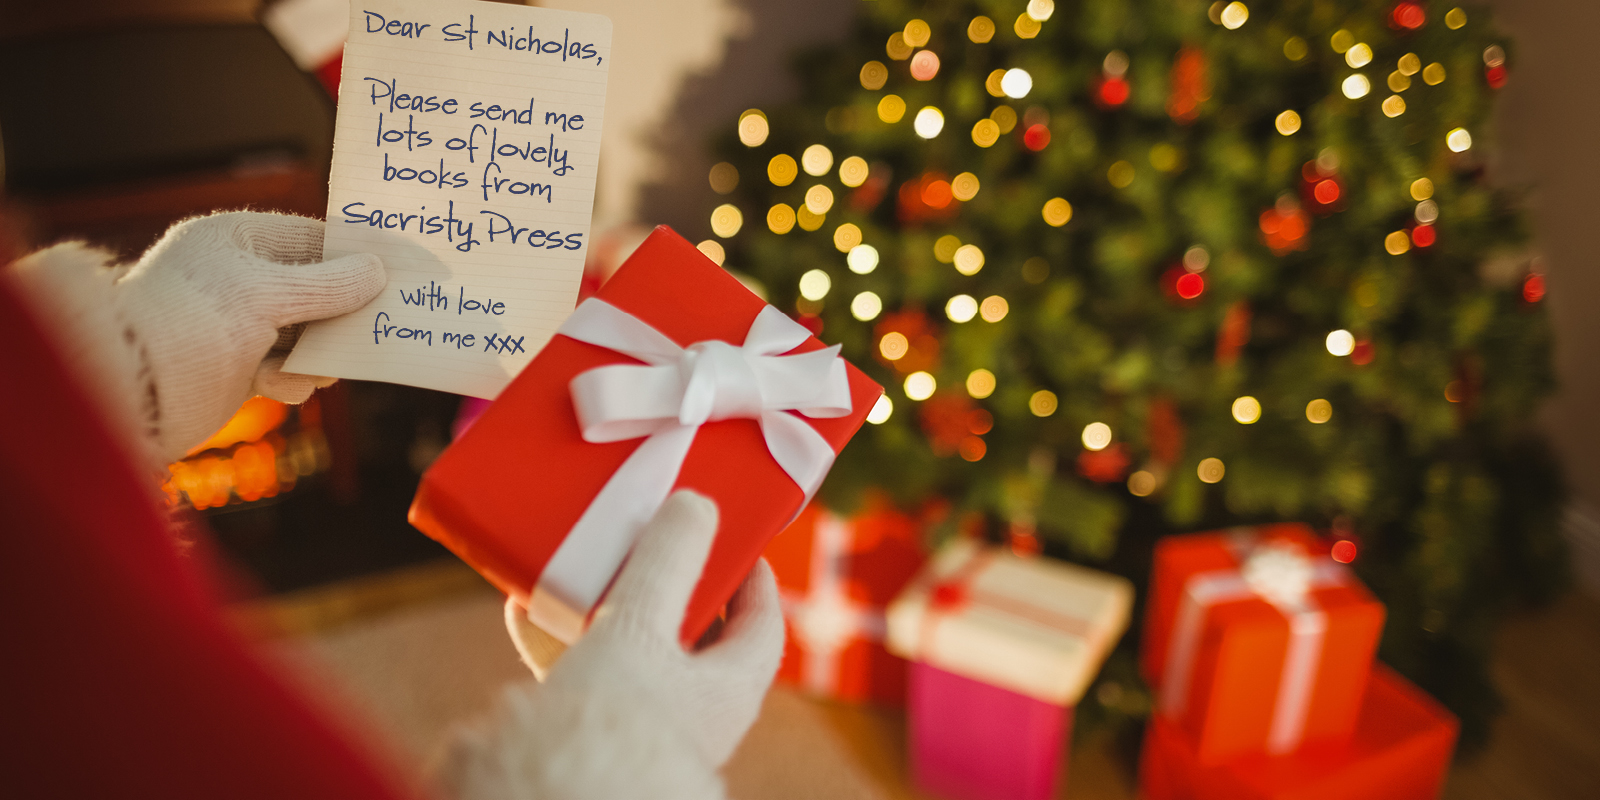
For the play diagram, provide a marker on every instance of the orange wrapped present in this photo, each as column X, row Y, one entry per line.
column 837, row 576
column 1400, row 750
column 1257, row 641
column 672, row 376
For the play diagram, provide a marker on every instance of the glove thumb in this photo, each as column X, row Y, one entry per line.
column 305, row 292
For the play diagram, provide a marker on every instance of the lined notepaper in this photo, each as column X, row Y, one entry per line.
column 465, row 154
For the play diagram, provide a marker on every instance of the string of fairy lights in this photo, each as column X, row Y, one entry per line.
column 1284, row 227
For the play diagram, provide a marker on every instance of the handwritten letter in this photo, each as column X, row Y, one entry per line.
column 464, row 156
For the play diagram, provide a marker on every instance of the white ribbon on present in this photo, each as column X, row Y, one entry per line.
column 667, row 399
column 826, row 619
column 1284, row 577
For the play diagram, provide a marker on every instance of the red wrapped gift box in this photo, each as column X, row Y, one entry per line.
column 837, row 576
column 1243, row 667
column 506, row 495
column 1400, row 750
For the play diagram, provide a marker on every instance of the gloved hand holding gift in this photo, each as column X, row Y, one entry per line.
column 673, row 376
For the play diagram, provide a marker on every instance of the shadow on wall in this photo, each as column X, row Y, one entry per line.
column 756, row 73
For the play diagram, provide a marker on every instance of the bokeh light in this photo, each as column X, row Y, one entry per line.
column 1096, row 436
column 846, row 237
column 993, row 308
column 753, row 128
column 1356, row 86
column 1042, row 403
column 894, row 346
column 1340, row 342
column 780, row 218
column 816, row 160
column 980, row 30
column 1057, row 212
column 853, row 171
column 881, row 410
column 920, row 385
column 782, row 170
column 1016, row 83
column 814, row 285
column 925, row 65
column 985, row 132
column 863, row 259
column 980, row 383
column 891, row 108
column 1246, row 410
column 1288, row 122
column 964, row 186
column 1234, row 15
column 713, row 250
column 819, row 199
column 929, row 122
column 1358, row 56
column 866, row 306
column 874, row 74
column 726, row 220
column 1211, row 470
column 917, row 32
column 724, row 178
column 1458, row 140
column 1319, row 411
column 968, row 259
column 961, row 308
column 1142, row 483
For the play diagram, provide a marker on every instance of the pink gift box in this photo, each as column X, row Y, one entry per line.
column 1001, row 650
column 970, row 740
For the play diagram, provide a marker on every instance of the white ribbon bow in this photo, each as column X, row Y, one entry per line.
column 1284, row 577
column 667, row 399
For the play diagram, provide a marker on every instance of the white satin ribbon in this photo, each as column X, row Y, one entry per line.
column 667, row 399
column 1307, row 626
column 826, row 619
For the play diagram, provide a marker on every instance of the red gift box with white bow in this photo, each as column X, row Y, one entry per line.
column 672, row 376
column 1257, row 641
column 836, row 575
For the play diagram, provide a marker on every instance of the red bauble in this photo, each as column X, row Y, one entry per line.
column 1188, row 82
column 1533, row 288
column 1182, row 286
column 1036, row 137
column 1407, row 16
column 1362, row 354
column 1113, row 91
column 1105, row 466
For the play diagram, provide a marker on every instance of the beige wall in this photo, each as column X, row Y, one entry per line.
column 1549, row 141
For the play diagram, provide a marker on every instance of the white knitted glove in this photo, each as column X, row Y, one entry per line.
column 626, row 712
column 191, row 331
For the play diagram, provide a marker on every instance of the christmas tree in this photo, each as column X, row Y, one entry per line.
column 1130, row 267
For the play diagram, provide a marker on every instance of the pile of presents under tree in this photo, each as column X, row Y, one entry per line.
column 1259, row 647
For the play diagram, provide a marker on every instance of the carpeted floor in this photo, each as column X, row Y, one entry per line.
column 403, row 657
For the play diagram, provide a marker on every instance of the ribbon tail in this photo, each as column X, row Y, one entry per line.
column 798, row 449
column 593, row 551
column 1306, row 632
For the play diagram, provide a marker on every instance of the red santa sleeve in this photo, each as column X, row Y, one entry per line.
column 118, row 675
